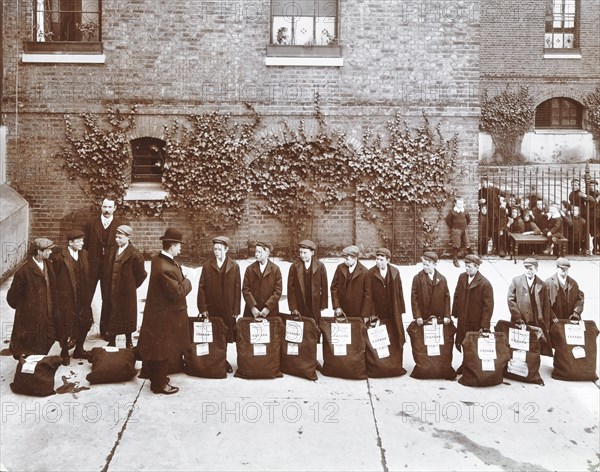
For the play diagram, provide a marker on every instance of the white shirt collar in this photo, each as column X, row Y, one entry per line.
column 307, row 264
column 262, row 267
column 74, row 254
column 351, row 268
column 431, row 276
column 39, row 264
column 167, row 254
column 106, row 221
column 220, row 263
column 530, row 280
column 383, row 272
column 122, row 248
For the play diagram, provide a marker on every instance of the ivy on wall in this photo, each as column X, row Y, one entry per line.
column 592, row 103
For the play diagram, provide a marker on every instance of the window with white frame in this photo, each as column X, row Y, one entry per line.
column 562, row 25
column 304, row 22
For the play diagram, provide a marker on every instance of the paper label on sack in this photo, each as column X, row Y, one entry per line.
column 34, row 358
column 294, row 331
column 29, row 367
column 339, row 350
column 260, row 333
column 433, row 334
column 292, row 349
column 518, row 368
column 574, row 335
column 203, row 332
column 578, row 352
column 487, row 365
column 378, row 337
column 202, row 349
column 520, row 356
column 341, row 333
column 260, row 349
column 433, row 350
column 111, row 349
column 518, row 339
column 383, row 352
column 486, row 348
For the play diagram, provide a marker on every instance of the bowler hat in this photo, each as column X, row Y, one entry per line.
column 224, row 240
column 383, row 252
column 264, row 244
column 563, row 263
column 43, row 243
column 126, row 230
column 74, row 234
column 173, row 235
column 353, row 251
column 430, row 256
column 308, row 244
column 472, row 258
column 530, row 261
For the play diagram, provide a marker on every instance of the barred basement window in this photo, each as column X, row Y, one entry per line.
column 562, row 24
column 148, row 157
column 559, row 113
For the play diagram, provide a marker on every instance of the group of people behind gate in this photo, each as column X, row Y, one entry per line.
column 575, row 217
column 51, row 293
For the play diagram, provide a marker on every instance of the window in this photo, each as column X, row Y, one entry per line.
column 562, row 26
column 148, row 156
column 559, row 113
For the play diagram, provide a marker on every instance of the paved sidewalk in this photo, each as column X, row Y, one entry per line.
column 294, row 424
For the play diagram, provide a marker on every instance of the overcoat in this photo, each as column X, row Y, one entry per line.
column 262, row 290
column 473, row 306
column 423, row 305
column 379, row 292
column 221, row 298
column 34, row 327
column 573, row 294
column 165, row 333
column 122, row 277
column 97, row 252
column 296, row 288
column 352, row 291
column 73, row 300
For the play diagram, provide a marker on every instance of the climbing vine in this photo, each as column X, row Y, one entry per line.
column 592, row 103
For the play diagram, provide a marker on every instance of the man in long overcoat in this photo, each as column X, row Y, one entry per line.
column 165, row 332
column 262, row 284
column 73, row 299
column 307, row 283
column 528, row 301
column 566, row 299
column 473, row 304
column 31, row 294
column 386, row 293
column 350, row 287
column 125, row 273
column 429, row 294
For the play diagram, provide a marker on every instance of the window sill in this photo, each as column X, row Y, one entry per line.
column 145, row 191
column 63, row 52
column 315, row 56
column 305, row 61
column 561, row 131
column 63, row 58
column 574, row 53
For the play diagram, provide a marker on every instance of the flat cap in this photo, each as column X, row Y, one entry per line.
column 563, row 263
column 126, row 230
column 430, row 256
column 265, row 244
column 74, row 234
column 472, row 258
column 383, row 252
column 308, row 244
column 353, row 251
column 224, row 240
column 530, row 261
column 172, row 234
column 43, row 243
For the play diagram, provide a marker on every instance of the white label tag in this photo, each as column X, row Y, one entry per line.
column 292, row 349
column 383, row 352
column 578, row 352
column 260, row 349
column 574, row 335
column 341, row 333
column 433, row 350
column 29, row 367
column 203, row 332
column 34, row 358
column 378, row 337
column 518, row 368
column 486, row 348
column 202, row 349
column 518, row 339
column 520, row 356
column 260, row 333
column 294, row 331
column 487, row 365
column 339, row 350
column 433, row 334
column 111, row 349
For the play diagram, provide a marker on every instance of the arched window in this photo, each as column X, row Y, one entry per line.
column 148, row 158
column 558, row 113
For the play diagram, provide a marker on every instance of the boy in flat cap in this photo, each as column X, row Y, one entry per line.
column 262, row 284
column 528, row 301
column 566, row 298
column 457, row 219
column 73, row 297
column 350, row 287
column 219, row 289
column 125, row 273
column 307, row 283
column 473, row 304
column 430, row 295
column 31, row 294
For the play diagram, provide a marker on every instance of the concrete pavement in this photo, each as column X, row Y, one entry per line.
column 294, row 424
